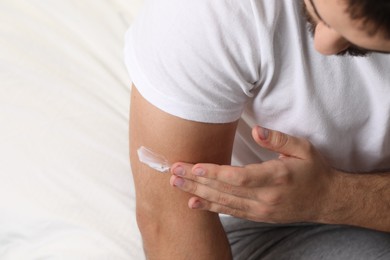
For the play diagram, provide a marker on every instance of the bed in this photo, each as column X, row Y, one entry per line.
column 66, row 189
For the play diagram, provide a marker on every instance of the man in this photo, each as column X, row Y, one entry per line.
column 200, row 66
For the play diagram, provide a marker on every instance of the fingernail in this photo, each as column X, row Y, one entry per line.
column 178, row 182
column 196, row 205
column 179, row 171
column 199, row 172
column 263, row 133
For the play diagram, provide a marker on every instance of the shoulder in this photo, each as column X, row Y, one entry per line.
column 192, row 20
column 201, row 56
column 204, row 55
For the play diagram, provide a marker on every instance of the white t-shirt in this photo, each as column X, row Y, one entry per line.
column 220, row 60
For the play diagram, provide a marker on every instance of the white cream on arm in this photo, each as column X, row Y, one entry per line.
column 153, row 160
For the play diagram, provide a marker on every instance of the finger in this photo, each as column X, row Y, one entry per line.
column 247, row 176
column 228, row 174
column 226, row 178
column 234, row 197
column 235, row 189
column 202, row 204
column 182, row 169
column 282, row 143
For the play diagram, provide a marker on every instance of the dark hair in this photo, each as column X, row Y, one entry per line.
column 376, row 14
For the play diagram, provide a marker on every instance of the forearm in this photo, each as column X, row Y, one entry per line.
column 359, row 200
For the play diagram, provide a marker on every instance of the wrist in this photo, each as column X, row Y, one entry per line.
column 358, row 200
column 338, row 205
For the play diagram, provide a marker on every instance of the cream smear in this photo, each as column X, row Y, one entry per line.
column 153, row 160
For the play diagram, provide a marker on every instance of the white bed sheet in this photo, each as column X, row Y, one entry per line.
column 66, row 190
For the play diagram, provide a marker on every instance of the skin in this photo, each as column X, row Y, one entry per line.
column 300, row 186
column 162, row 213
column 335, row 31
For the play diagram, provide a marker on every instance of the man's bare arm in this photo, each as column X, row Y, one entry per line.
column 300, row 186
column 169, row 229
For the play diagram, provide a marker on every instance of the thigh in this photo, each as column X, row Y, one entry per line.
column 251, row 240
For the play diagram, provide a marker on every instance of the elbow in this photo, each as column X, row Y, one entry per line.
column 149, row 222
column 156, row 221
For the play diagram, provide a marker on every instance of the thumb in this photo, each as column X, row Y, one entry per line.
column 282, row 143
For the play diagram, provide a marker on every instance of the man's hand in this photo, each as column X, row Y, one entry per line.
column 296, row 187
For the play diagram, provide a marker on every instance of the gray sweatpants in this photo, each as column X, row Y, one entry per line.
column 306, row 241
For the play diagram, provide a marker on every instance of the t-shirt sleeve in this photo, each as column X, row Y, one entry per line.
column 197, row 60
